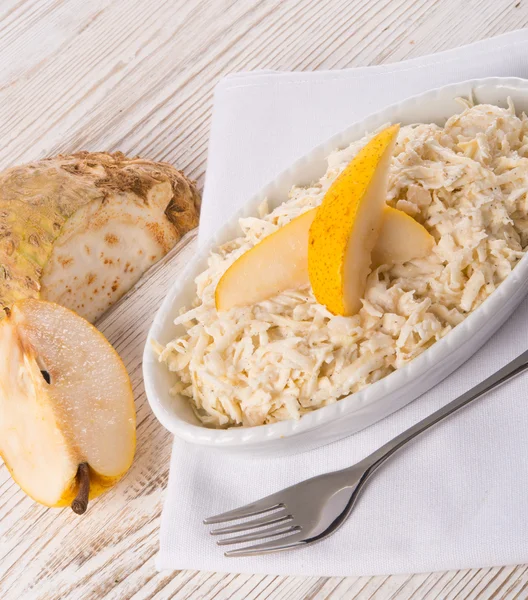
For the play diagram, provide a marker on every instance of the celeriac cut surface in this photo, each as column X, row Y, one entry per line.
column 80, row 230
column 467, row 183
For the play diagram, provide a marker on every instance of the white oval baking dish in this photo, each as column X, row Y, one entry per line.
column 386, row 396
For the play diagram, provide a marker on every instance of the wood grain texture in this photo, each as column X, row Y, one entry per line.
column 138, row 76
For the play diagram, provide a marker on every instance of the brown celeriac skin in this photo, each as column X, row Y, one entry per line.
column 81, row 229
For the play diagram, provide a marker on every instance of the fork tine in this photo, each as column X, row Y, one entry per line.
column 283, row 543
column 249, row 510
column 268, row 519
column 260, row 534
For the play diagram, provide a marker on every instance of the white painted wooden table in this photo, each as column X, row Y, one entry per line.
column 138, row 75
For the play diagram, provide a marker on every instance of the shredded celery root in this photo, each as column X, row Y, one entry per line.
column 466, row 182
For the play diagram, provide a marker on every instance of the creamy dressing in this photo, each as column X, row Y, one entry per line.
column 467, row 183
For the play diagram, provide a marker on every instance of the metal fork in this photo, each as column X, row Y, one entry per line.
column 309, row 511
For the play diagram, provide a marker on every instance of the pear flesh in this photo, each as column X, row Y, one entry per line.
column 401, row 239
column 280, row 261
column 67, row 415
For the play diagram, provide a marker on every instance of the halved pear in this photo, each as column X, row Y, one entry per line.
column 67, row 416
column 280, row 261
column 347, row 225
column 401, row 239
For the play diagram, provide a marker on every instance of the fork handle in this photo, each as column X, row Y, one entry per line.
column 512, row 369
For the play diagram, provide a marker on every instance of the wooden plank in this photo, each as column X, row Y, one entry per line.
column 138, row 75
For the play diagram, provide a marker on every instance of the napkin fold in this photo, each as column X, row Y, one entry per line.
column 456, row 497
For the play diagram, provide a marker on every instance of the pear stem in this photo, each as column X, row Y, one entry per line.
column 80, row 503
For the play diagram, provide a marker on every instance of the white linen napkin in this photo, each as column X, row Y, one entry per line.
column 456, row 497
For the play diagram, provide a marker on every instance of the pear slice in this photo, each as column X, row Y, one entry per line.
column 67, row 416
column 280, row 261
column 401, row 239
column 347, row 225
